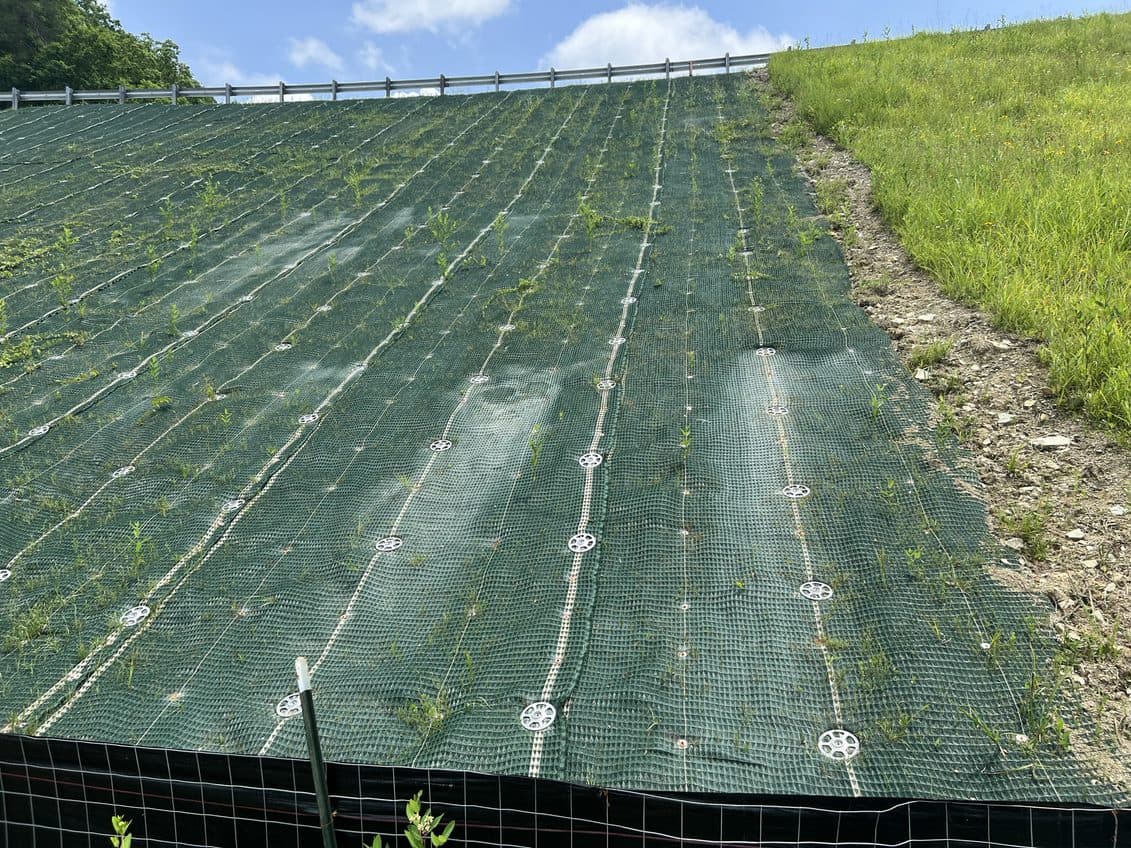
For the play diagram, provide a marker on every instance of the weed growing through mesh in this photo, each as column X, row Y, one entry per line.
column 427, row 713
column 537, row 442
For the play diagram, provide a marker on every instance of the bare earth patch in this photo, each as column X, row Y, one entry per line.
column 1058, row 488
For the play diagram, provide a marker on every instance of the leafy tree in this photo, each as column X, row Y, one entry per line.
column 49, row 44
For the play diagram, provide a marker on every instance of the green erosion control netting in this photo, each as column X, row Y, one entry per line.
column 540, row 422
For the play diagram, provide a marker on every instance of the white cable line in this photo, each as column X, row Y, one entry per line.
column 783, row 441
column 592, row 276
column 538, row 741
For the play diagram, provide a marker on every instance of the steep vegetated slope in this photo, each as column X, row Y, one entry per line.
column 540, row 422
column 1003, row 160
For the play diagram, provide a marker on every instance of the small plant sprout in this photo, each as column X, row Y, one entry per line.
column 590, row 216
column 174, row 314
column 879, row 399
column 424, row 829
column 499, row 225
column 354, row 179
column 122, row 837
column 442, row 226
column 537, row 442
column 685, row 440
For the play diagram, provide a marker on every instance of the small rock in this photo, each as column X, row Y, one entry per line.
column 1015, row 544
column 1075, row 534
column 1118, row 510
column 1002, row 345
column 922, row 374
column 1004, row 418
column 1029, row 404
column 926, row 317
column 1091, row 563
column 1050, row 442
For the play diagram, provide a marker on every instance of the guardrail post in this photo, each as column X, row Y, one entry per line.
column 553, row 73
column 726, row 61
column 388, row 87
column 333, row 89
column 175, row 92
column 667, row 69
column 496, row 82
column 227, row 94
column 690, row 68
column 15, row 98
column 610, row 72
column 121, row 95
column 282, row 92
column 69, row 96
column 443, row 84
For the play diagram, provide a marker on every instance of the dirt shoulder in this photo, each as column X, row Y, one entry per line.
column 1058, row 488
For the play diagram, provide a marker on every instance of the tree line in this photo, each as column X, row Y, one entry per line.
column 46, row 45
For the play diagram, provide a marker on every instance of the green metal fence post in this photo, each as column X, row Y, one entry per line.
column 314, row 748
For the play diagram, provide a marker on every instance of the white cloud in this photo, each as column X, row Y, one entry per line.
column 399, row 16
column 417, row 92
column 641, row 33
column 373, row 59
column 314, row 51
column 215, row 70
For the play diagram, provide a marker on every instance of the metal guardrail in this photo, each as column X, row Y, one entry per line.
column 667, row 67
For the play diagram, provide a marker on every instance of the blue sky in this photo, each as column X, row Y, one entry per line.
column 262, row 41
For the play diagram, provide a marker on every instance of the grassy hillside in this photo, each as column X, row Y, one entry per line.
column 1003, row 160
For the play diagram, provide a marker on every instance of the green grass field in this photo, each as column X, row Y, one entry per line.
column 1003, row 161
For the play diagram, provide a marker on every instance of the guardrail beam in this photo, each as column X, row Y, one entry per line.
column 334, row 88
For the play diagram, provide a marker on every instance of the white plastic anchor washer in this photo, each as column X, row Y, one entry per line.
column 281, row 346
column 590, row 460
column 389, row 544
column 815, row 590
column 605, row 385
column 838, row 744
column 777, row 409
column 795, row 491
column 5, row 574
column 766, row 351
column 579, row 543
column 538, row 716
column 628, row 301
column 123, row 471
column 618, row 340
column 290, row 706
column 440, row 445
column 232, row 505
column 309, row 418
column 135, row 615
column 41, row 430
column 479, row 379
